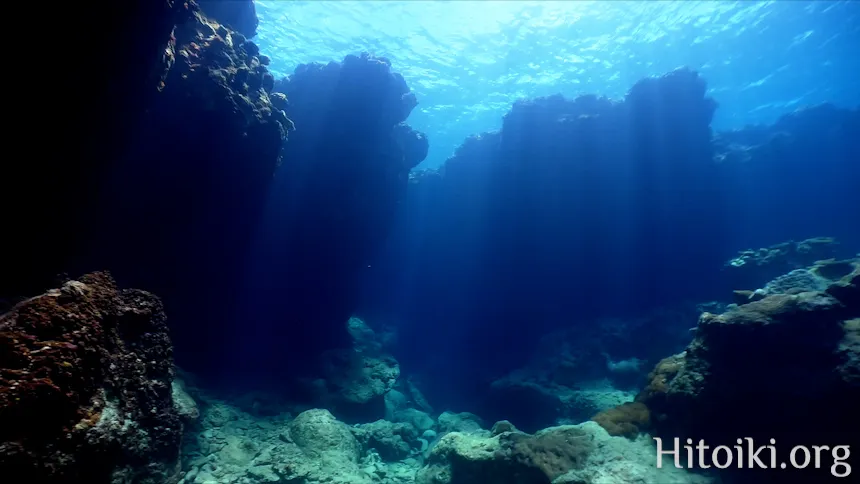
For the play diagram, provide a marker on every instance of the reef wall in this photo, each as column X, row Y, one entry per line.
column 177, row 211
column 555, row 218
column 238, row 15
column 588, row 207
column 331, row 207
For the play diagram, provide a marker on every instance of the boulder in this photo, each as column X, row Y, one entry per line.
column 86, row 387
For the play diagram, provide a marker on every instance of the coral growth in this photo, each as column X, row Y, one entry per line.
column 509, row 457
column 783, row 367
column 86, row 391
column 239, row 15
column 626, row 420
column 751, row 268
column 571, row 454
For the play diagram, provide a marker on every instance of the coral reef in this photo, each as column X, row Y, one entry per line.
column 783, row 367
column 751, row 268
column 86, row 387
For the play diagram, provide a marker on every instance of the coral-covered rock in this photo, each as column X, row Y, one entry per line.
column 464, row 422
column 86, row 373
column 752, row 268
column 507, row 458
column 784, row 367
column 358, row 383
column 319, row 434
column 356, row 380
column 392, row 441
column 239, row 15
column 626, row 420
column 573, row 376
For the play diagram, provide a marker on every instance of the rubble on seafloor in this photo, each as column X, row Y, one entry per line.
column 231, row 446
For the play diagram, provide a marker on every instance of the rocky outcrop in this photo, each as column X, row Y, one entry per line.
column 566, row 191
column 238, row 15
column 191, row 185
column 354, row 382
column 574, row 375
column 559, row 455
column 312, row 448
column 392, row 441
column 510, row 457
column 552, row 220
column 784, row 367
column 332, row 205
column 86, row 387
column 172, row 143
column 752, row 268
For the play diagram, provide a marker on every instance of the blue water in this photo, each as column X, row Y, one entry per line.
column 467, row 61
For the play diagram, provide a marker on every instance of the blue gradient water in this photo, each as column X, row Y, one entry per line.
column 468, row 61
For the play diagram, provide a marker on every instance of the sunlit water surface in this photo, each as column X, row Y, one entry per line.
column 467, row 61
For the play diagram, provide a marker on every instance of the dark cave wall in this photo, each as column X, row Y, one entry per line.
column 94, row 103
column 172, row 156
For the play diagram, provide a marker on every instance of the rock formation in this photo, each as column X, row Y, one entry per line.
column 86, row 387
column 551, row 221
column 332, row 205
column 751, row 268
column 238, row 15
column 172, row 149
column 785, row 367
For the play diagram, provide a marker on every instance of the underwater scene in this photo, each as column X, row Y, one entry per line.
column 431, row 242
